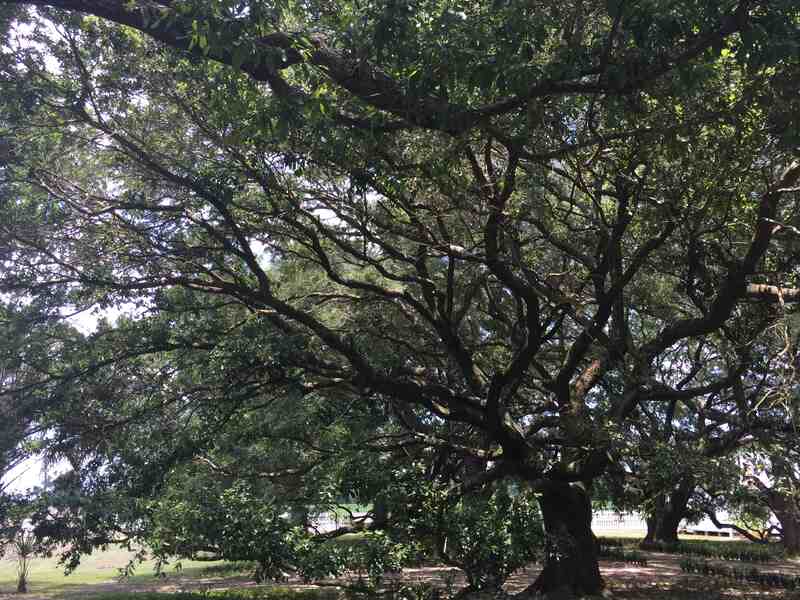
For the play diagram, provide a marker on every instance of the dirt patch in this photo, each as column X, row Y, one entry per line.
column 661, row 579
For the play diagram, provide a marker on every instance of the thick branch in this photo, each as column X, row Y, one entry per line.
column 368, row 82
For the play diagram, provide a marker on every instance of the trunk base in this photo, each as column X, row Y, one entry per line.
column 570, row 569
column 562, row 594
column 470, row 594
column 790, row 524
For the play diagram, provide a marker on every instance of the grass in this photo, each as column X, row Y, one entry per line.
column 47, row 576
column 102, row 567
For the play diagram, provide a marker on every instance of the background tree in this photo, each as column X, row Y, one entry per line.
column 710, row 433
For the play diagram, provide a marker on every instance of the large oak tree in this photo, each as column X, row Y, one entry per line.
column 512, row 226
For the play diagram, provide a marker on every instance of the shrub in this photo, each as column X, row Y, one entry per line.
column 740, row 574
column 491, row 537
column 24, row 549
column 488, row 535
column 626, row 556
column 229, row 568
column 739, row 551
column 275, row 593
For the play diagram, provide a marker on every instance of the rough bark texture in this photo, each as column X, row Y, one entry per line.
column 571, row 568
column 785, row 504
column 791, row 536
column 662, row 527
column 665, row 519
column 788, row 513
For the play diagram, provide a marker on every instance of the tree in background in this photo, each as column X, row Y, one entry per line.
column 780, row 494
column 765, row 488
column 474, row 220
column 710, row 433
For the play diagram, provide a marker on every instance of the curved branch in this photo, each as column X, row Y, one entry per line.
column 369, row 83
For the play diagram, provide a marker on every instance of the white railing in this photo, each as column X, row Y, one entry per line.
column 609, row 520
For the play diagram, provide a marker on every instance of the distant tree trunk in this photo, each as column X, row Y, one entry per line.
column 785, row 506
column 571, row 568
column 791, row 536
column 663, row 526
column 668, row 512
column 788, row 514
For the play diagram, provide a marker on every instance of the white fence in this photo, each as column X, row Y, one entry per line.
column 608, row 520
column 330, row 521
column 603, row 521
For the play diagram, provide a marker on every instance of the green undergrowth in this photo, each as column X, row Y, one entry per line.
column 730, row 550
column 227, row 569
column 741, row 574
column 273, row 593
column 621, row 554
column 419, row 591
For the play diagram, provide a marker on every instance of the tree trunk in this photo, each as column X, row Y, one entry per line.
column 663, row 528
column 785, row 506
column 788, row 514
column 571, row 568
column 791, row 537
column 667, row 514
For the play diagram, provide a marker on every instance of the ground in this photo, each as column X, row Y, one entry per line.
column 661, row 579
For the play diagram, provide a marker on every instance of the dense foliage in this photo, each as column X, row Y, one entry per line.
column 509, row 242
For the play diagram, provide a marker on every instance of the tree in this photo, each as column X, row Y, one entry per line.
column 710, row 433
column 478, row 219
column 767, row 479
column 247, row 485
column 782, row 497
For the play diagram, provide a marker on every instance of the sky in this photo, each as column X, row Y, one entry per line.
column 24, row 476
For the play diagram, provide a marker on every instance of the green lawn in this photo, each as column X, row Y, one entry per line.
column 47, row 577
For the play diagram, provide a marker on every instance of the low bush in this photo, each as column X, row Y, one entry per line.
column 739, row 551
column 229, row 568
column 397, row 591
column 276, row 593
column 622, row 555
column 613, row 542
column 741, row 574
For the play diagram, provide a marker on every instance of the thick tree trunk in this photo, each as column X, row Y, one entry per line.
column 785, row 506
column 791, row 537
column 663, row 528
column 668, row 512
column 571, row 568
column 788, row 514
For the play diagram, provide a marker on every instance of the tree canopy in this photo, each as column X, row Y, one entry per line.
column 501, row 232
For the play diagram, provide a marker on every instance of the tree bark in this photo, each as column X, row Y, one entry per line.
column 791, row 535
column 668, row 512
column 571, row 568
column 785, row 506
column 663, row 526
column 788, row 514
